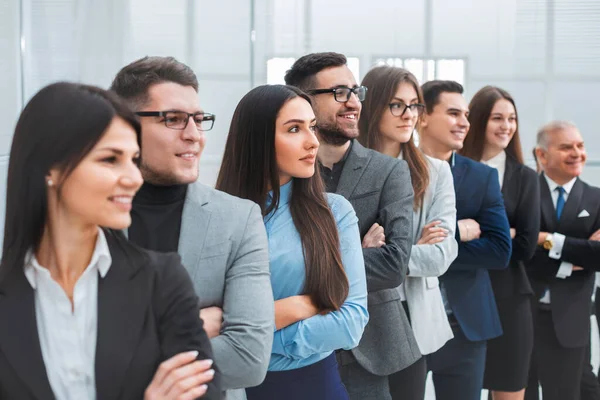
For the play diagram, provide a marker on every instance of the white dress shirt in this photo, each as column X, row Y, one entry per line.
column 498, row 162
column 67, row 333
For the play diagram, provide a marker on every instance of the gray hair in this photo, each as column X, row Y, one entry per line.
column 544, row 131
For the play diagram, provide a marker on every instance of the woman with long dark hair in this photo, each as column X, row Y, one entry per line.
column 494, row 140
column 85, row 314
column 387, row 123
column 317, row 267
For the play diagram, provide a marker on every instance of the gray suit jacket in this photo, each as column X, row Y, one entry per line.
column 428, row 317
column 380, row 190
column 223, row 246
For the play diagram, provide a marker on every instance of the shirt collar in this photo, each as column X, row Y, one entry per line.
column 498, row 161
column 101, row 260
column 285, row 192
column 553, row 185
column 452, row 159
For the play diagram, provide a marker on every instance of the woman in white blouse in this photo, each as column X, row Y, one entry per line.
column 387, row 122
column 85, row 314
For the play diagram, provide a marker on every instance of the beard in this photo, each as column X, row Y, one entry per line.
column 334, row 135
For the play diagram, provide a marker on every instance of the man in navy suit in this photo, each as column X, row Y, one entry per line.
column 484, row 240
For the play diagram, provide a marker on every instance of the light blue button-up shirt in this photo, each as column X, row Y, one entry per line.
column 311, row 340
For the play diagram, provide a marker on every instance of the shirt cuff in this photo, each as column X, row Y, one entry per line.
column 565, row 270
column 558, row 241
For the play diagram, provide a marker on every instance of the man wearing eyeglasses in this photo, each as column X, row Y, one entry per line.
column 221, row 238
column 380, row 190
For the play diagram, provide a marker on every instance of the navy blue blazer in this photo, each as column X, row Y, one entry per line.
column 467, row 282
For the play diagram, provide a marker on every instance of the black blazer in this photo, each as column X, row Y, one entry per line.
column 147, row 312
column 571, row 297
column 521, row 192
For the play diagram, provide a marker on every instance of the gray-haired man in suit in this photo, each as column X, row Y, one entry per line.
column 221, row 238
column 379, row 188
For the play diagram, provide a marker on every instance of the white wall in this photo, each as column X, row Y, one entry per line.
column 10, row 93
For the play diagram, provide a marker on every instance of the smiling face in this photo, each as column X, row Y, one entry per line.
column 501, row 126
column 399, row 129
column 447, row 125
column 296, row 143
column 100, row 189
column 565, row 155
column 337, row 122
column 171, row 156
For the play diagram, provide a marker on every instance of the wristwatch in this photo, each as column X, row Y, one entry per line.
column 548, row 243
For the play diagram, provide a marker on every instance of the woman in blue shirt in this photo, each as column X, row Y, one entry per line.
column 317, row 268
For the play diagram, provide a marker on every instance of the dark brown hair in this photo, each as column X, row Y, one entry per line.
column 58, row 127
column 134, row 80
column 249, row 169
column 432, row 90
column 480, row 110
column 383, row 82
column 305, row 68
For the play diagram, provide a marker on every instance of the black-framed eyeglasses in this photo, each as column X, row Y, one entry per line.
column 398, row 109
column 342, row 93
column 179, row 119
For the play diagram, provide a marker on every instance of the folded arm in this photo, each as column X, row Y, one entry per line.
column 387, row 265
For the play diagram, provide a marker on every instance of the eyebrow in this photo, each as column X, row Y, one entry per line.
column 298, row 121
column 114, row 150
column 454, row 109
column 402, row 100
column 500, row 114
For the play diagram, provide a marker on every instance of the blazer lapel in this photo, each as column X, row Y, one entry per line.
column 19, row 340
column 509, row 171
column 548, row 210
column 194, row 224
column 459, row 170
column 121, row 314
column 571, row 208
column 354, row 168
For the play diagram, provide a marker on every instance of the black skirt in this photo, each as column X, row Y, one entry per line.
column 508, row 356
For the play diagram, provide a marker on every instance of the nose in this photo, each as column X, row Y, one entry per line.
column 408, row 113
column 191, row 133
column 464, row 122
column 353, row 101
column 132, row 177
column 311, row 141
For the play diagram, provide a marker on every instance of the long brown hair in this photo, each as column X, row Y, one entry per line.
column 383, row 82
column 480, row 110
column 249, row 169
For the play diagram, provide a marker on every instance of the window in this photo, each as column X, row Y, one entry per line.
column 449, row 69
column 277, row 67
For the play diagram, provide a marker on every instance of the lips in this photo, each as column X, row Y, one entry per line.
column 309, row 158
column 190, row 155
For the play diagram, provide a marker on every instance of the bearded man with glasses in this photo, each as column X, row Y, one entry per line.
column 380, row 190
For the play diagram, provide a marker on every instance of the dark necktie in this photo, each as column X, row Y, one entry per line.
column 560, row 202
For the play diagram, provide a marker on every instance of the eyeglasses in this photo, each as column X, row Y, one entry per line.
column 398, row 109
column 342, row 94
column 179, row 119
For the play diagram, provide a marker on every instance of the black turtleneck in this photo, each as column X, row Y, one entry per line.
column 156, row 217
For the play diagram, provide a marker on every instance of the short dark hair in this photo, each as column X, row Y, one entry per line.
column 57, row 128
column 133, row 81
column 306, row 67
column 432, row 91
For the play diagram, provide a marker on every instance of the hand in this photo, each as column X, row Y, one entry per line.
column 577, row 268
column 468, row 230
column 542, row 238
column 432, row 234
column 513, row 233
column 595, row 236
column 181, row 377
column 375, row 237
column 213, row 320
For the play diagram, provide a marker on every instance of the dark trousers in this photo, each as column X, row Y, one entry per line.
column 458, row 367
column 558, row 369
column 590, row 388
column 319, row 381
column 409, row 384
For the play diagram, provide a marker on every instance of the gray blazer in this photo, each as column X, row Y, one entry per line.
column 223, row 246
column 379, row 188
column 428, row 316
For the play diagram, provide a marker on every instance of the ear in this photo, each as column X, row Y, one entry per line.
column 53, row 177
column 541, row 155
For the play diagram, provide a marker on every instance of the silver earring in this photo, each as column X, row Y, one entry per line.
column 50, row 183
